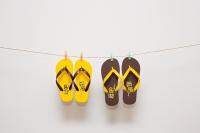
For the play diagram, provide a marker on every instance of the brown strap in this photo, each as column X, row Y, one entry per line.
column 85, row 72
column 59, row 73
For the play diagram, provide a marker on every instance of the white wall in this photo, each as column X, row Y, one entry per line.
column 168, row 99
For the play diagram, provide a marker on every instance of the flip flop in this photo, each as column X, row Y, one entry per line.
column 64, row 79
column 82, row 79
column 131, row 79
column 110, row 74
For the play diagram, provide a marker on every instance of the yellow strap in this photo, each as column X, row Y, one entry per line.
column 130, row 69
column 108, row 76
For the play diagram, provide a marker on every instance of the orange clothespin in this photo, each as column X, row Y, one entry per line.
column 66, row 56
column 81, row 56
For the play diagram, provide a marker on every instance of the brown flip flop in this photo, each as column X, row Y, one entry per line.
column 110, row 74
column 131, row 79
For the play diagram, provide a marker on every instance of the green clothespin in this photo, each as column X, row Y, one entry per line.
column 129, row 55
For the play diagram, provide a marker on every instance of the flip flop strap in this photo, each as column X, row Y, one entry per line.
column 130, row 69
column 112, row 71
column 64, row 69
column 86, row 73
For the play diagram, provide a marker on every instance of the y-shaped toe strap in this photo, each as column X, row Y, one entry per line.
column 87, row 74
column 131, row 70
column 64, row 69
column 107, row 77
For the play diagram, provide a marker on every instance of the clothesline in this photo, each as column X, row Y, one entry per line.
column 96, row 57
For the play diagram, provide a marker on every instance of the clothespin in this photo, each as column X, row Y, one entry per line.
column 81, row 56
column 129, row 55
column 111, row 57
column 66, row 56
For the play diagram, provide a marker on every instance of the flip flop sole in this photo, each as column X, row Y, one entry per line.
column 65, row 80
column 112, row 81
column 82, row 96
column 131, row 80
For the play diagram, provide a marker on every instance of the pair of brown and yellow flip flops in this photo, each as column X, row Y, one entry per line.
column 66, row 79
column 112, row 80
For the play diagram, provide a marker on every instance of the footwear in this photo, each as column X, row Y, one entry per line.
column 131, row 79
column 110, row 74
column 64, row 79
column 82, row 79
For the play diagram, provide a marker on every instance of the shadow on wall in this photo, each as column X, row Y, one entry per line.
column 73, row 111
column 113, row 115
column 121, row 113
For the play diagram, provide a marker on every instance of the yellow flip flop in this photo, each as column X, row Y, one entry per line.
column 64, row 79
column 82, row 78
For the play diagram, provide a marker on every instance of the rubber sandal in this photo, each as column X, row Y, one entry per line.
column 64, row 79
column 82, row 79
column 110, row 74
column 131, row 79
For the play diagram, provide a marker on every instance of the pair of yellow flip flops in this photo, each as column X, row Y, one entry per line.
column 66, row 79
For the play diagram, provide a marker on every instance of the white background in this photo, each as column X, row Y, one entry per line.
column 168, row 99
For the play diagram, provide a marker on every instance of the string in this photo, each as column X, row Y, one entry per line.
column 96, row 57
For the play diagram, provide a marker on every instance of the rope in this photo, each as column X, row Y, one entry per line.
column 96, row 57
